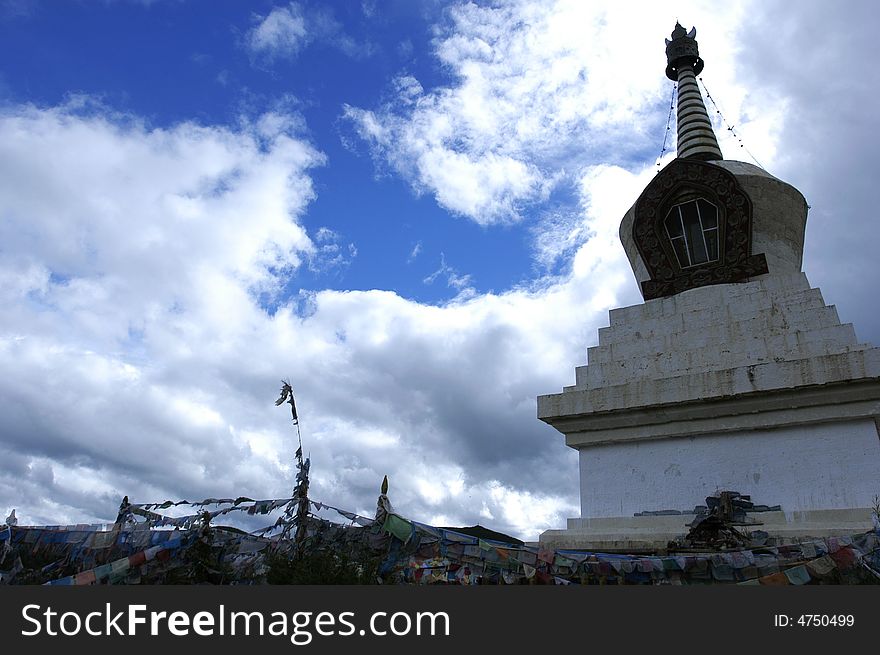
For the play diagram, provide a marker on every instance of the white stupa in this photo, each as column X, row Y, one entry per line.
column 732, row 375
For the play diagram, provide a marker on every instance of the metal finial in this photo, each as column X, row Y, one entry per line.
column 681, row 51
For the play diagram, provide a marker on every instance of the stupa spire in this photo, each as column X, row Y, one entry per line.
column 696, row 139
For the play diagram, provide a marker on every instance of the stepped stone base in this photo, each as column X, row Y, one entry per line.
column 754, row 387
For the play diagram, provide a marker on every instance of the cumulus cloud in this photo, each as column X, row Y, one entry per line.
column 137, row 355
column 125, row 250
column 537, row 91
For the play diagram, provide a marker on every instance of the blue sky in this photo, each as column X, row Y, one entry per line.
column 408, row 208
column 178, row 61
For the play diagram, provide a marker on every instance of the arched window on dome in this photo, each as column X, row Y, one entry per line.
column 692, row 228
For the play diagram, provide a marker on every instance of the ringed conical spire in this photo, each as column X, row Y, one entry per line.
column 696, row 139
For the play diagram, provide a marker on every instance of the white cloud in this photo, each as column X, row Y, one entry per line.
column 414, row 253
column 288, row 29
column 537, row 91
column 282, row 33
column 330, row 254
column 126, row 251
column 454, row 279
column 134, row 348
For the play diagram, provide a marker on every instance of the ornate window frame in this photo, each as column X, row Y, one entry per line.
column 681, row 181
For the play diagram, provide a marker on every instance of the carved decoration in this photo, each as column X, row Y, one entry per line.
column 684, row 180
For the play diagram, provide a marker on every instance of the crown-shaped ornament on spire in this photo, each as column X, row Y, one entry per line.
column 682, row 50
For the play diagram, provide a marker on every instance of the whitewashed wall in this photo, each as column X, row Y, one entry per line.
column 825, row 466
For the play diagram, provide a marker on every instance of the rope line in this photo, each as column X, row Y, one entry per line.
column 668, row 123
column 730, row 128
